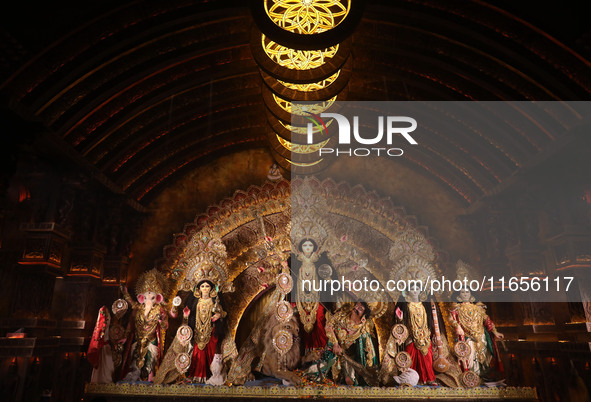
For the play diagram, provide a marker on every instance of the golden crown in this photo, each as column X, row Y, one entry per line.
column 206, row 272
column 151, row 281
column 205, row 259
column 464, row 271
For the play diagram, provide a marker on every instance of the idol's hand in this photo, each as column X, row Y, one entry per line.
column 337, row 349
column 215, row 317
column 498, row 336
column 459, row 331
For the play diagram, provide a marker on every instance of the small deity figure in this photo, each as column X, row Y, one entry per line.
column 350, row 339
column 473, row 326
column 206, row 320
column 150, row 325
column 310, row 267
column 274, row 173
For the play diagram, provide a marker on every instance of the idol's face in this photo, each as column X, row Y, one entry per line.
column 465, row 295
column 150, row 298
column 205, row 289
column 308, row 247
column 413, row 292
column 359, row 308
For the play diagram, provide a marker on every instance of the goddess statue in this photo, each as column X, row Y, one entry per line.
column 473, row 326
column 150, row 325
column 412, row 332
column 200, row 281
column 311, row 311
column 206, row 320
column 418, row 343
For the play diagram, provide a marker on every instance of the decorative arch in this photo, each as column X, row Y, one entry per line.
column 374, row 238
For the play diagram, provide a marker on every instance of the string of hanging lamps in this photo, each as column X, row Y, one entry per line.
column 303, row 50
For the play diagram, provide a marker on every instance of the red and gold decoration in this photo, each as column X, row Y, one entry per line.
column 282, row 342
column 206, row 255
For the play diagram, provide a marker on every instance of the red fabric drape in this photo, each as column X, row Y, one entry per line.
column 202, row 359
column 317, row 338
column 98, row 338
column 422, row 364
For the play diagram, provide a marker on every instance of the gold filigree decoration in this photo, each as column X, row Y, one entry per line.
column 308, row 218
column 465, row 271
column 204, row 259
column 307, row 16
column 301, row 149
column 152, row 281
column 316, row 108
column 313, row 86
column 411, row 242
column 281, row 391
column 297, row 59
column 412, row 267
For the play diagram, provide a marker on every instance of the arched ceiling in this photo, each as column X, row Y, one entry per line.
column 149, row 91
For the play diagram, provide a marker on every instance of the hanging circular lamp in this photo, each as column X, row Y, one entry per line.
column 307, row 24
column 303, row 53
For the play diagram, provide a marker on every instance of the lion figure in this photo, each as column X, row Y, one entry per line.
column 272, row 358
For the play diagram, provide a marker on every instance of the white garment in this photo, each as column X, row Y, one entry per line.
column 104, row 373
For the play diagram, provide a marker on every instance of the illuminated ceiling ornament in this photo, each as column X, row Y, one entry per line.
column 312, row 86
column 301, row 52
column 297, row 59
column 302, row 149
column 315, row 108
column 307, row 16
column 302, row 130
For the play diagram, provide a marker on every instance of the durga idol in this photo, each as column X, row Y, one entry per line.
column 310, row 266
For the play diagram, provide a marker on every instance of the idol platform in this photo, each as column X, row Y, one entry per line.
column 272, row 389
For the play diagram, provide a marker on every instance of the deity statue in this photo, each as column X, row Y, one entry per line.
column 418, row 321
column 204, row 278
column 150, row 325
column 474, row 327
column 403, row 361
column 206, row 320
column 350, row 340
column 99, row 351
column 107, row 343
column 311, row 266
